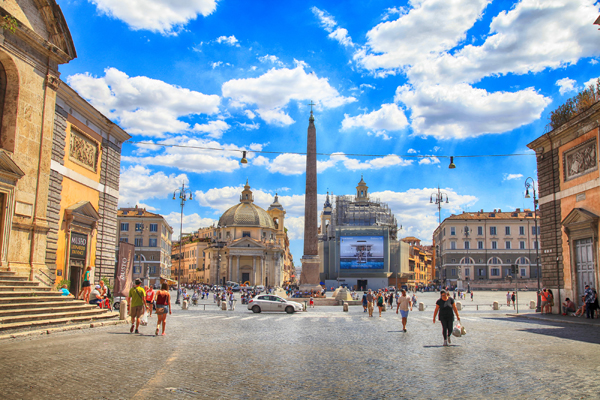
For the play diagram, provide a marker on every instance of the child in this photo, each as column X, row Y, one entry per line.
column 312, row 302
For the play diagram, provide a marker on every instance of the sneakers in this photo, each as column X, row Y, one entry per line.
column 404, row 329
column 136, row 331
column 131, row 330
column 445, row 342
column 449, row 341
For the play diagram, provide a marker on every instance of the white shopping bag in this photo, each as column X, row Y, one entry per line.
column 144, row 319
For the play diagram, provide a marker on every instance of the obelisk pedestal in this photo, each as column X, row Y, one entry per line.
column 309, row 278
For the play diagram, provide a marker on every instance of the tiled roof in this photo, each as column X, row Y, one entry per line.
column 135, row 212
column 493, row 215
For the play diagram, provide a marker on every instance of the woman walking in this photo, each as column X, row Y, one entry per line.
column 446, row 307
column 163, row 306
column 380, row 301
column 86, row 287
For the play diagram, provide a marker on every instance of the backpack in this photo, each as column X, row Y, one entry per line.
column 108, row 292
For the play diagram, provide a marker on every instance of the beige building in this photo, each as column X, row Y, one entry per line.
column 478, row 248
column 151, row 236
column 192, row 255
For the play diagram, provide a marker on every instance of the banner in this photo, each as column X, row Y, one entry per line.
column 79, row 244
column 124, row 269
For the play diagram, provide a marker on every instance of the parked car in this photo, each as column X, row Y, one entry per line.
column 259, row 288
column 117, row 302
column 269, row 302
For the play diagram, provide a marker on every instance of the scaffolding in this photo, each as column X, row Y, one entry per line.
column 372, row 212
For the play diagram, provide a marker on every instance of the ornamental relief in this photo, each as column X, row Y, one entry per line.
column 580, row 160
column 83, row 151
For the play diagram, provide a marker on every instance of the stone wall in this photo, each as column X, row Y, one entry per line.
column 550, row 220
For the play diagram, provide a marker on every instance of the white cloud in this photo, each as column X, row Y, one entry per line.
column 414, row 36
column 429, row 160
column 593, row 61
column 214, row 129
column 412, row 151
column 191, row 223
column 366, row 85
column 141, row 105
column 192, row 159
column 249, row 114
column 530, row 37
column 139, row 183
column 388, row 118
column 249, row 127
column 566, row 85
column 329, row 24
column 341, row 35
column 273, row 91
column 461, row 111
column 592, row 82
column 230, row 40
column 510, row 177
column 271, row 59
column 216, row 64
column 301, row 63
column 162, row 16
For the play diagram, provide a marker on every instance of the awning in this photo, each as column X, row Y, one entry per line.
column 167, row 280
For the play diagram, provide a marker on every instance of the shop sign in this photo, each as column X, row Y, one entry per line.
column 78, row 246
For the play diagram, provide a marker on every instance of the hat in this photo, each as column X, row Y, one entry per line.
column 138, row 281
column 97, row 286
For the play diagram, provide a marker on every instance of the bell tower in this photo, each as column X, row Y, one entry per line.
column 362, row 191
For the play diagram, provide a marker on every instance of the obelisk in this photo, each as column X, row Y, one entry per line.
column 309, row 277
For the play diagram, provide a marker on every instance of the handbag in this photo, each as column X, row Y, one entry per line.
column 463, row 331
column 457, row 331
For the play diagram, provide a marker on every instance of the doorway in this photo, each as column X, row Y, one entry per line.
column 362, row 284
column 75, row 275
column 245, row 277
column 584, row 261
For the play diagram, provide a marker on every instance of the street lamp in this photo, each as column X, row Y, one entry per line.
column 467, row 259
column 219, row 245
column 438, row 197
column 531, row 185
column 139, row 227
column 184, row 195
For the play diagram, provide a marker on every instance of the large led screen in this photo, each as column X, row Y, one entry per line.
column 361, row 252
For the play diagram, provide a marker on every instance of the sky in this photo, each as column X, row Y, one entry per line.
column 398, row 88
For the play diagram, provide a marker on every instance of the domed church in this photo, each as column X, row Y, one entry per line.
column 249, row 245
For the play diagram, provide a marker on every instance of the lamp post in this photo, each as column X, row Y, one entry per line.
column 466, row 231
column 184, row 195
column 438, row 197
column 531, row 185
column 219, row 245
column 139, row 227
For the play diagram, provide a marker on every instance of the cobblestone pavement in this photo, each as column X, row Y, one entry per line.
column 322, row 353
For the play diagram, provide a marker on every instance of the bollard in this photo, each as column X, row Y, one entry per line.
column 184, row 305
column 224, row 306
column 532, row 305
column 305, row 307
column 421, row 306
column 496, row 306
column 384, row 308
column 123, row 310
column 458, row 305
column 345, row 306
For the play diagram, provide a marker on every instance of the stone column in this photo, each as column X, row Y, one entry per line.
column 230, row 267
column 254, row 270
column 237, row 273
column 263, row 267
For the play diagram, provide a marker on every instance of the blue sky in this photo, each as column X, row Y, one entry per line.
column 399, row 87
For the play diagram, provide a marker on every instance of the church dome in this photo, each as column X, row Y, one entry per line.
column 247, row 213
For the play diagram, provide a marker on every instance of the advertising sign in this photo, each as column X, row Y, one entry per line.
column 361, row 252
column 78, row 246
column 124, row 269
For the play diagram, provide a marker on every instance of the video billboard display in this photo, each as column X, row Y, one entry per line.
column 361, row 252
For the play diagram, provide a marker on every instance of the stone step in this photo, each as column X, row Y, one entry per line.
column 4, row 289
column 13, row 278
column 67, row 302
column 23, row 292
column 13, row 283
column 8, row 273
column 20, row 297
column 57, row 315
column 47, row 310
column 53, row 322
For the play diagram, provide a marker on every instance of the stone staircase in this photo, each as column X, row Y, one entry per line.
column 25, row 306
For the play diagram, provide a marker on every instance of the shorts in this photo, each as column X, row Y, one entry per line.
column 85, row 284
column 166, row 308
column 136, row 311
column 544, row 303
column 404, row 314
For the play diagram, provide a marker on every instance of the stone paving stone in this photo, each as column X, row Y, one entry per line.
column 322, row 353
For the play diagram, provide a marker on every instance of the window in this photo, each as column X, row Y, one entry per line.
column 508, row 260
column 124, row 226
column 153, row 269
column 452, row 231
column 494, row 245
column 522, row 245
column 444, row 232
column 508, row 272
column 535, row 245
column 522, row 271
column 507, row 245
column 507, row 230
column 480, row 245
column 522, row 230
column 453, row 260
column 492, row 230
column 245, row 234
column 467, row 245
column 495, row 272
column 452, row 245
column 124, row 239
column 153, row 227
column 533, row 230
column 139, row 242
column 139, row 227
column 480, row 230
column 453, row 272
column 153, row 242
column 481, row 272
column 495, row 260
column 467, row 271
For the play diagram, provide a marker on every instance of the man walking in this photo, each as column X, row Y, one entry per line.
column 370, row 300
column 403, row 304
column 589, row 302
column 137, row 304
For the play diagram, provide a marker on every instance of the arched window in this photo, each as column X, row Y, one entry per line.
column 467, row 260
column 494, row 261
column 523, row 261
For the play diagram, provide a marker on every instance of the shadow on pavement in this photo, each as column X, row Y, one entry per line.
column 581, row 333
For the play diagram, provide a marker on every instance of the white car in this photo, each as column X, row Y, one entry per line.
column 269, row 302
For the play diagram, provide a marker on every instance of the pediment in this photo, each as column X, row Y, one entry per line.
column 83, row 211
column 579, row 216
column 9, row 168
column 246, row 243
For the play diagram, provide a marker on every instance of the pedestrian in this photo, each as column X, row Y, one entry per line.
column 471, row 295
column 86, row 286
column 550, row 303
column 364, row 301
column 414, row 299
column 231, row 301
column 137, row 304
column 508, row 297
column 513, row 297
column 163, row 306
column 544, row 299
column 150, row 299
column 403, row 304
column 589, row 302
column 312, row 302
column 380, row 302
column 446, row 308
column 370, row 300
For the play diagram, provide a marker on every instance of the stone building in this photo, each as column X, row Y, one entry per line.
column 194, row 263
column 249, row 245
column 151, row 235
column 358, row 243
column 569, row 204
column 477, row 249
column 84, row 190
column 419, row 264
